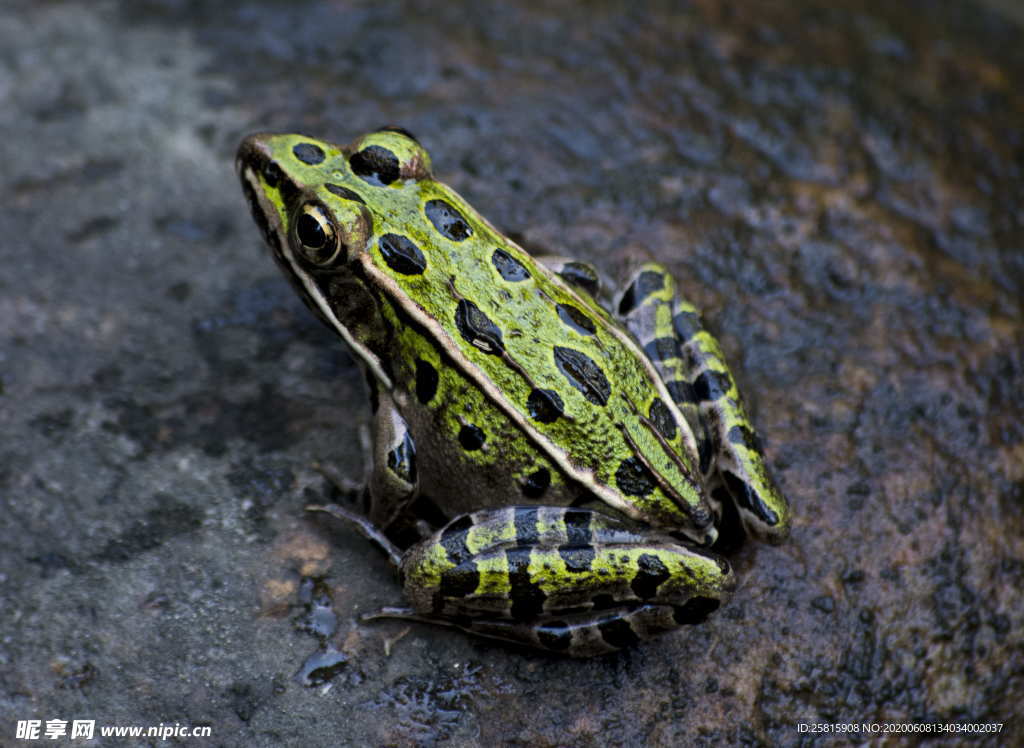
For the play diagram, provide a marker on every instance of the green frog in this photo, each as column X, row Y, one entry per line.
column 584, row 444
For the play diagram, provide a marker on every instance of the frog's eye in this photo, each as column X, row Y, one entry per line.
column 316, row 235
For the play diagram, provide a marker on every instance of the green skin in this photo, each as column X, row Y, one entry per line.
column 572, row 445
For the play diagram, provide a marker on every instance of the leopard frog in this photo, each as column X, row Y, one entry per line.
column 584, row 445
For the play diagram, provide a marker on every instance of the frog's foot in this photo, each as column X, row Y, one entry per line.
column 366, row 528
column 692, row 365
column 582, row 634
column 595, row 632
column 572, row 581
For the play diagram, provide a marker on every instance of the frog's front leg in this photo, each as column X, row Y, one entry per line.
column 567, row 580
column 392, row 479
column 690, row 361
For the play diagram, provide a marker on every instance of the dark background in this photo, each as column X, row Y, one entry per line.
column 838, row 184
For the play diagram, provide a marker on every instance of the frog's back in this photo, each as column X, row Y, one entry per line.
column 524, row 342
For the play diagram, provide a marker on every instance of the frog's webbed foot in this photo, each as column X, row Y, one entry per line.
column 565, row 580
column 691, row 363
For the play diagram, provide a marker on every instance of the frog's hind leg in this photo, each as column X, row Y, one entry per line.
column 566, row 580
column 690, row 361
column 590, row 634
column 584, row 634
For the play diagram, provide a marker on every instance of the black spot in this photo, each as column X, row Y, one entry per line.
column 695, row 610
column 426, row 381
column 704, row 450
column 583, row 374
column 711, row 385
column 576, row 319
column 743, row 434
column 643, row 286
column 661, row 349
column 402, row 255
column 508, row 266
column 578, row 559
column 554, row 635
column 402, row 460
column 634, row 478
column 536, row 483
column 399, row 130
column 544, row 406
column 681, row 392
column 453, row 539
column 686, row 324
column 651, row 572
column 344, row 192
column 271, row 174
column 447, row 220
column 461, row 581
column 581, row 275
column 471, row 437
column 525, row 521
column 663, row 419
column 745, row 496
column 577, row 526
column 308, row 153
column 477, row 328
column 617, row 632
column 527, row 598
column 376, row 165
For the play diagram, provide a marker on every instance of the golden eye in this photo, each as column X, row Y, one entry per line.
column 316, row 235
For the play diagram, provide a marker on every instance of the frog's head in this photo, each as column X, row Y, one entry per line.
column 305, row 194
column 316, row 204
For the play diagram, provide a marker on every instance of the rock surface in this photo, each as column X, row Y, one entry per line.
column 840, row 189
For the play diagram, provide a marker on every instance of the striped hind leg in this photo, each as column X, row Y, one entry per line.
column 690, row 361
column 566, row 580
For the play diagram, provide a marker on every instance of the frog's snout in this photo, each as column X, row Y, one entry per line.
column 254, row 152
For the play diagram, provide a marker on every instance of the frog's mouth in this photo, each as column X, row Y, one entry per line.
column 264, row 186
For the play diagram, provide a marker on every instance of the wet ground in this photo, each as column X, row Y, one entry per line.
column 839, row 188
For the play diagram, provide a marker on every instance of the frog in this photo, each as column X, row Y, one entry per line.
column 582, row 442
